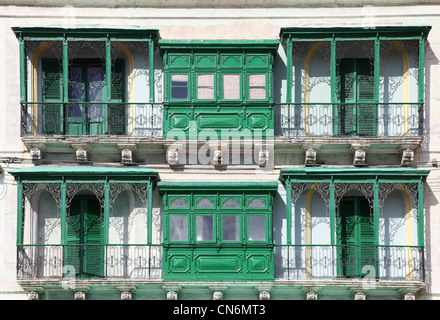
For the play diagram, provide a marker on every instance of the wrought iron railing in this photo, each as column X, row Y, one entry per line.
column 291, row 262
column 91, row 119
column 56, row 262
column 299, row 120
column 307, row 262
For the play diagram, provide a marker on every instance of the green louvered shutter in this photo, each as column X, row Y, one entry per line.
column 367, row 252
column 73, row 250
column 52, row 89
column 347, row 237
column 116, row 114
column 365, row 98
column 356, row 237
column 347, row 96
column 93, row 232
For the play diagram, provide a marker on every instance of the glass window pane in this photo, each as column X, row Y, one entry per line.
column 205, row 228
column 179, row 228
column 179, row 86
column 231, row 228
column 231, row 86
column 257, row 86
column 257, row 229
column 205, row 86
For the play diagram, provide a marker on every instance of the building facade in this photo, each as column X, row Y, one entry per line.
column 192, row 150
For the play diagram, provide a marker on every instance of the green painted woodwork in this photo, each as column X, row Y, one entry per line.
column 85, row 232
column 355, row 233
column 104, row 176
column 218, row 85
column 225, row 231
column 372, row 175
column 356, row 90
column 52, row 91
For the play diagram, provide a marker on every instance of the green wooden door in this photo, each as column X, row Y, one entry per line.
column 355, row 237
column 85, row 87
column 357, row 111
column 52, row 95
column 84, row 249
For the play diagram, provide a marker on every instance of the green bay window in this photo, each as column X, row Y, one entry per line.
column 218, row 233
column 218, row 85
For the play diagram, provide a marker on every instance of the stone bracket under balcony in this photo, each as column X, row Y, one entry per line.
column 314, row 151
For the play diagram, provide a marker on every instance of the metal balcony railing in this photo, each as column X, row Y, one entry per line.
column 300, row 120
column 291, row 262
column 307, row 262
column 56, row 262
column 92, row 119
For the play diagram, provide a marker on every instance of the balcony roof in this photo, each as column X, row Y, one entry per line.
column 59, row 33
column 268, row 186
column 348, row 33
column 363, row 173
column 83, row 171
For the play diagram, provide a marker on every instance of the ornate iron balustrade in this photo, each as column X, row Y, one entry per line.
column 92, row 119
column 326, row 262
column 292, row 262
column 301, row 120
column 56, row 262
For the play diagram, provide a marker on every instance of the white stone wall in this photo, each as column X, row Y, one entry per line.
column 224, row 22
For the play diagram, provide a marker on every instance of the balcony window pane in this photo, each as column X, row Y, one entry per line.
column 205, row 228
column 179, row 227
column 231, row 228
column 205, row 86
column 257, row 228
column 257, row 86
column 179, row 86
column 231, row 86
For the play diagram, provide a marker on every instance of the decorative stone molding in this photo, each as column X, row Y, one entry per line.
column 173, row 156
column 264, row 295
column 359, row 157
column 125, row 295
column 409, row 296
column 407, row 158
column 360, row 296
column 35, row 154
column 263, row 157
column 310, row 158
column 217, row 158
column 312, row 295
column 172, row 292
column 81, row 154
column 217, row 295
column 127, row 156
column 34, row 293
column 80, row 295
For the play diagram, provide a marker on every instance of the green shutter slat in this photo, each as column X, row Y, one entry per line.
column 74, row 229
column 116, row 112
column 93, row 256
column 52, row 92
column 366, row 237
column 347, row 94
column 366, row 107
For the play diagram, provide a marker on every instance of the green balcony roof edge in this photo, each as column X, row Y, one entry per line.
column 265, row 44
column 88, row 171
column 49, row 33
column 209, row 186
column 354, row 173
column 416, row 31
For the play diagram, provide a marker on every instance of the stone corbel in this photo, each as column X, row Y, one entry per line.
column 81, row 150
column 311, row 292
column 35, row 155
column 34, row 293
column 172, row 292
column 127, row 152
column 126, row 292
column 217, row 158
column 360, row 152
column 264, row 292
column 217, row 292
